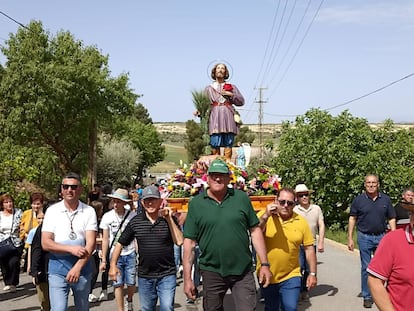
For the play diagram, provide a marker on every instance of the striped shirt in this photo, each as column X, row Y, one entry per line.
column 155, row 246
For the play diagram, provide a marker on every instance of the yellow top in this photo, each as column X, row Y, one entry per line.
column 25, row 224
column 283, row 240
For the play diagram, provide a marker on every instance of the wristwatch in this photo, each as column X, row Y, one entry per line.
column 312, row 273
column 265, row 264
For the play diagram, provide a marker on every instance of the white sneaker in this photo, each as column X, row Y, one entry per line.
column 92, row 298
column 128, row 305
column 9, row 288
column 103, row 296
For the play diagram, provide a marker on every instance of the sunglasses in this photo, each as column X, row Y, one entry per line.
column 73, row 187
column 284, row 202
column 301, row 195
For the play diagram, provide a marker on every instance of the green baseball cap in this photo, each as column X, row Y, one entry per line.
column 218, row 166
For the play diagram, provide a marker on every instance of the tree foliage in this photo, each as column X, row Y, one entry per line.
column 245, row 135
column 53, row 88
column 194, row 143
column 118, row 162
column 333, row 155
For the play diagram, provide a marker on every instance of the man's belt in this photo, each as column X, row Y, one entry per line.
column 221, row 104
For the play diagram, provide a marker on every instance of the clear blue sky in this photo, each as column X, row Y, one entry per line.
column 350, row 49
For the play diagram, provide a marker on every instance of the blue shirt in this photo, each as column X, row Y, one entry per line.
column 372, row 215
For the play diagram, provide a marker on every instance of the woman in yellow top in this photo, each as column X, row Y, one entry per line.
column 29, row 220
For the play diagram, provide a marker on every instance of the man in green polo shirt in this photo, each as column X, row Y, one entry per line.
column 219, row 220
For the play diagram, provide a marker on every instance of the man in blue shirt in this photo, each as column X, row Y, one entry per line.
column 370, row 211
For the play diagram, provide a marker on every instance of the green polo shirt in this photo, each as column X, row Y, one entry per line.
column 221, row 230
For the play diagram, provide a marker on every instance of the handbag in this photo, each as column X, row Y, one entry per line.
column 7, row 248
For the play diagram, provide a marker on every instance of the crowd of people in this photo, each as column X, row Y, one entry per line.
column 67, row 243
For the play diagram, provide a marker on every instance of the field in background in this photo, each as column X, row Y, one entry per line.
column 174, row 154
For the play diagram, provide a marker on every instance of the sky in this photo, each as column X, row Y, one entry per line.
column 290, row 55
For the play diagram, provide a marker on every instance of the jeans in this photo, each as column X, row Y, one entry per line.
column 152, row 289
column 304, row 268
column 215, row 286
column 126, row 265
column 367, row 246
column 177, row 256
column 283, row 295
column 59, row 291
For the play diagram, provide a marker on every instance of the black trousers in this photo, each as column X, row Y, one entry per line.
column 10, row 267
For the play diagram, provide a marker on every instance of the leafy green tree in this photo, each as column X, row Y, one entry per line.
column 333, row 155
column 118, row 162
column 202, row 106
column 245, row 135
column 194, row 143
column 55, row 93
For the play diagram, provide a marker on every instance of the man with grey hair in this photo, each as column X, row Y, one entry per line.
column 370, row 212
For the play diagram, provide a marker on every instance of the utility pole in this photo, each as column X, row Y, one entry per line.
column 261, row 102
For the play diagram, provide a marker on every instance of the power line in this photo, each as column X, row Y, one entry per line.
column 12, row 19
column 297, row 50
column 370, row 93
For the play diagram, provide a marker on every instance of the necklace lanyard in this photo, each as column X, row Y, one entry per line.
column 72, row 234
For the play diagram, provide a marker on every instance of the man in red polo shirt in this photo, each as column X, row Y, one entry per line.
column 392, row 265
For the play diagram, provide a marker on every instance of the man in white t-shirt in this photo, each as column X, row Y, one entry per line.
column 69, row 235
column 112, row 225
column 314, row 216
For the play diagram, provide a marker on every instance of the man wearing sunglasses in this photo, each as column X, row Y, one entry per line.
column 313, row 214
column 284, row 232
column 69, row 235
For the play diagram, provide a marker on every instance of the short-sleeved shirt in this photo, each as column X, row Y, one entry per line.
column 283, row 240
column 372, row 215
column 221, row 230
column 58, row 221
column 313, row 214
column 393, row 263
column 155, row 245
column 111, row 221
column 30, row 236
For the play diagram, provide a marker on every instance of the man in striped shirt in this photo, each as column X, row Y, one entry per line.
column 156, row 231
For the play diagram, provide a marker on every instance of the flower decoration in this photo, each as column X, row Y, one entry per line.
column 227, row 87
column 186, row 181
column 191, row 180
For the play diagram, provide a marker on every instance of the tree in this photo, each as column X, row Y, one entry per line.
column 117, row 162
column 56, row 93
column 194, row 143
column 202, row 106
column 333, row 155
column 245, row 135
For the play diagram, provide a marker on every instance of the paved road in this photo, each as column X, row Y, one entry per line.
column 338, row 289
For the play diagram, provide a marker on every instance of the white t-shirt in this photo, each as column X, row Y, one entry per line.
column 60, row 221
column 111, row 221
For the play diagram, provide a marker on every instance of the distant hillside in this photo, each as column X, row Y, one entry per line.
column 179, row 127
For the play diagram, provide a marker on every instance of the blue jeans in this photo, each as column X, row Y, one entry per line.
column 59, row 291
column 177, row 255
column 367, row 246
column 126, row 265
column 282, row 296
column 304, row 268
column 152, row 289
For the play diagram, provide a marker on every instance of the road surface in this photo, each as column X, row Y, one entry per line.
column 338, row 288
